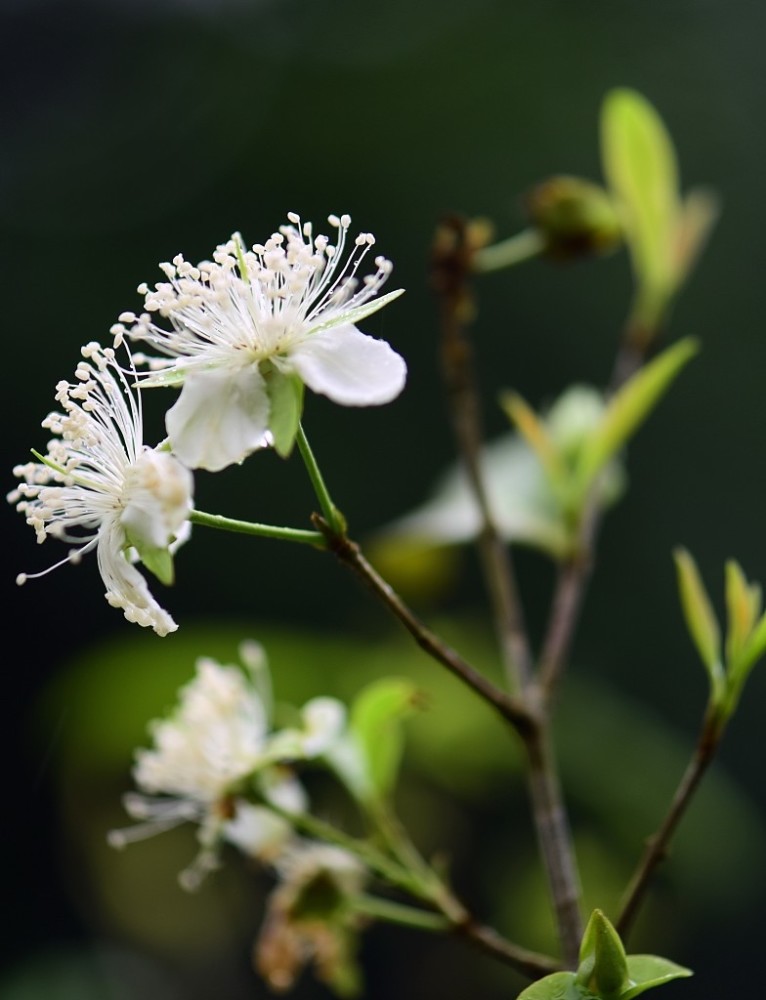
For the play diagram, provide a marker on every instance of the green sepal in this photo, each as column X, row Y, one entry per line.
column 286, row 406
column 629, row 407
column 157, row 561
column 171, row 376
column 700, row 620
column 351, row 316
column 647, row 971
column 603, row 969
column 375, row 725
column 639, row 162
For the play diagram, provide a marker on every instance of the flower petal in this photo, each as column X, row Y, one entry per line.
column 125, row 586
column 220, row 418
column 349, row 367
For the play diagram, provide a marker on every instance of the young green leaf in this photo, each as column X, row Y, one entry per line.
column 375, row 723
column 743, row 605
column 639, row 163
column 605, row 971
column 699, row 212
column 629, row 407
column 700, row 619
column 535, row 433
column 558, row 986
column 648, row 971
column 753, row 650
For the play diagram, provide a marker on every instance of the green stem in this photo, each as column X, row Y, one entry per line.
column 523, row 246
column 452, row 914
column 373, row 858
column 331, row 513
column 314, row 538
column 398, row 913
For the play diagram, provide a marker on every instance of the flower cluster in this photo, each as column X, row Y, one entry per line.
column 216, row 754
column 247, row 331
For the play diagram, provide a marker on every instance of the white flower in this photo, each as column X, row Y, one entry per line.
column 216, row 737
column 250, row 328
column 100, row 487
column 524, row 505
column 206, row 755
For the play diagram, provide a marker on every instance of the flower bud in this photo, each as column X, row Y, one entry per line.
column 576, row 217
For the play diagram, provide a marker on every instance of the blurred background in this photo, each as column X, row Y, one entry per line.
column 137, row 129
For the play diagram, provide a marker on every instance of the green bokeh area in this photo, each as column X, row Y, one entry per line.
column 136, row 130
column 462, row 795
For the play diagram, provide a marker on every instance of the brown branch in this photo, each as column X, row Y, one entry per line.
column 451, row 271
column 657, row 845
column 486, row 939
column 452, row 267
column 350, row 554
column 556, row 845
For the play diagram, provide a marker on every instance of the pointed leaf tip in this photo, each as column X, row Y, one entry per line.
column 700, row 618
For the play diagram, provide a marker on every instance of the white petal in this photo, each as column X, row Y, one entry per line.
column 349, row 367
column 125, row 586
column 219, row 418
column 257, row 831
column 324, row 719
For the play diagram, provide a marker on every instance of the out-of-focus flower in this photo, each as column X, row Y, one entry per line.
column 251, row 327
column 208, row 753
column 524, row 504
column 100, row 487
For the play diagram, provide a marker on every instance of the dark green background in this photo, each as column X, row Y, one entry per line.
column 138, row 129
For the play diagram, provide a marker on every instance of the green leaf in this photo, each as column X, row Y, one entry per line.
column 629, row 407
column 535, row 433
column 699, row 213
column 603, row 969
column 700, row 619
column 558, row 986
column 648, row 971
column 639, row 163
column 748, row 657
column 286, row 399
column 743, row 604
column 375, row 722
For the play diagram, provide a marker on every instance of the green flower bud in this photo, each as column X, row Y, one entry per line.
column 603, row 968
column 576, row 217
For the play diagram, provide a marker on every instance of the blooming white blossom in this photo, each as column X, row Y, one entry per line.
column 251, row 327
column 207, row 752
column 99, row 486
